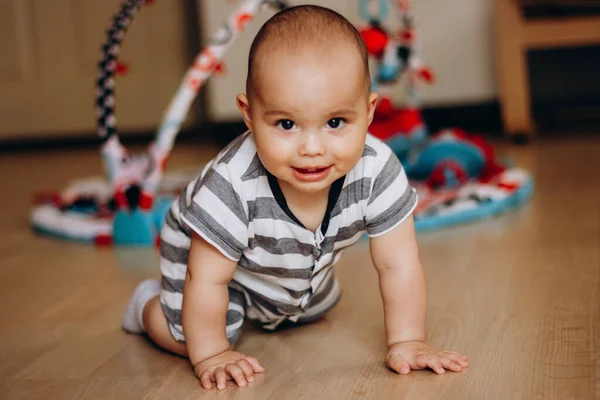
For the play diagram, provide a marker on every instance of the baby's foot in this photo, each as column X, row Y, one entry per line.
column 132, row 318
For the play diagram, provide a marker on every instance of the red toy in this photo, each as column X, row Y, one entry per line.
column 395, row 55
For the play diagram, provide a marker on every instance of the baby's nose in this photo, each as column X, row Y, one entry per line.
column 311, row 145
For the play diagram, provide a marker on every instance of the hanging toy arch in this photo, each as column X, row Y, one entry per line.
column 128, row 208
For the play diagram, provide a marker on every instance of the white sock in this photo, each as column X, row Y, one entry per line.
column 132, row 318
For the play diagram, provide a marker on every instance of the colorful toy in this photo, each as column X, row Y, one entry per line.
column 395, row 55
column 455, row 173
column 130, row 206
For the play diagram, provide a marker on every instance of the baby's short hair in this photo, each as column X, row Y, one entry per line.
column 302, row 25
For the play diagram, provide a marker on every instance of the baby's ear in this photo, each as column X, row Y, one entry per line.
column 244, row 106
column 373, row 97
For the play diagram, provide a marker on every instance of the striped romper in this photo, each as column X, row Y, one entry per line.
column 284, row 271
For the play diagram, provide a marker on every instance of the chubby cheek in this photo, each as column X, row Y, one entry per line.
column 348, row 152
column 274, row 154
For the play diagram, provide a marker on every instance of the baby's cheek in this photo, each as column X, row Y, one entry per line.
column 273, row 154
column 349, row 150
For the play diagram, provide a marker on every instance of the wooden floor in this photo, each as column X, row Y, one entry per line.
column 519, row 295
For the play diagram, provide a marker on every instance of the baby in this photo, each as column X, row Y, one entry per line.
column 258, row 233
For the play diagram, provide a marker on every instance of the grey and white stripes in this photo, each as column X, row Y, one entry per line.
column 284, row 270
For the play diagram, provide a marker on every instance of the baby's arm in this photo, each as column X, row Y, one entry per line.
column 403, row 290
column 204, row 318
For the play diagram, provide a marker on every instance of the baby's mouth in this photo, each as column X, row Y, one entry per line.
column 311, row 174
column 310, row 170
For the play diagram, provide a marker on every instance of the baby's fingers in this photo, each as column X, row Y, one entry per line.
column 237, row 374
column 205, row 379
column 221, row 378
column 459, row 358
column 397, row 363
column 247, row 368
column 450, row 364
column 432, row 362
column 255, row 364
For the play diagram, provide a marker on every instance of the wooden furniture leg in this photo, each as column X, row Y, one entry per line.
column 515, row 97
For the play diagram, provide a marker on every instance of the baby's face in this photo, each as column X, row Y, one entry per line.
column 309, row 115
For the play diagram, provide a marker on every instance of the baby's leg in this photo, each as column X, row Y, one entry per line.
column 157, row 311
column 144, row 314
column 157, row 328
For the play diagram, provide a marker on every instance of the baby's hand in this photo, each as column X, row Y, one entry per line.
column 404, row 356
column 226, row 366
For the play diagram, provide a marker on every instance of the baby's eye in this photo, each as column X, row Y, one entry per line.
column 336, row 123
column 286, row 124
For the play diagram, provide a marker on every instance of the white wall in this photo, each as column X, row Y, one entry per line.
column 455, row 39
